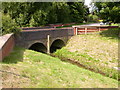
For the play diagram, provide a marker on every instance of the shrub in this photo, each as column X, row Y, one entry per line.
column 8, row 25
column 93, row 18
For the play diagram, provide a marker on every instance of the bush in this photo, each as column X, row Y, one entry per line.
column 8, row 25
column 93, row 18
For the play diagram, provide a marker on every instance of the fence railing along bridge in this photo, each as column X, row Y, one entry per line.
column 86, row 29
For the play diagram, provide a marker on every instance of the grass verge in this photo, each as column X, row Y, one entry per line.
column 29, row 69
column 96, row 52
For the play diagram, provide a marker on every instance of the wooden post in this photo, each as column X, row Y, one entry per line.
column 85, row 30
column 76, row 31
column 48, row 44
column 99, row 29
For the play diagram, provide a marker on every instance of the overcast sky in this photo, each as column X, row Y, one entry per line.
column 87, row 2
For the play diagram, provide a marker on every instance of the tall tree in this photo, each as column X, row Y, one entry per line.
column 42, row 13
column 77, row 11
column 109, row 11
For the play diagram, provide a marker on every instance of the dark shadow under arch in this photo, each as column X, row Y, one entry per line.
column 57, row 44
column 39, row 47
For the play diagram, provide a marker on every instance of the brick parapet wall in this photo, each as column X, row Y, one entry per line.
column 7, row 45
column 42, row 34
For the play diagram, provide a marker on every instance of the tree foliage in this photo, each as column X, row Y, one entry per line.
column 93, row 18
column 42, row 13
column 8, row 25
column 109, row 11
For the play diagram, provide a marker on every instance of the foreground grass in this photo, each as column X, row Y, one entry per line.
column 97, row 52
column 30, row 69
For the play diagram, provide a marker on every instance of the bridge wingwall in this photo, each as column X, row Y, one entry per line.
column 7, row 44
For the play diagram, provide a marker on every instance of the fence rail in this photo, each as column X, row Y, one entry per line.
column 88, row 29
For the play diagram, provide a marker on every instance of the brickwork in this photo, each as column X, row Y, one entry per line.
column 30, row 36
column 26, row 38
column 7, row 47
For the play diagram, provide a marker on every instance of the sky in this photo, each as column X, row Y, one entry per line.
column 87, row 2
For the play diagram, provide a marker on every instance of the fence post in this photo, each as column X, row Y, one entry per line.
column 48, row 44
column 76, row 31
column 99, row 29
column 85, row 30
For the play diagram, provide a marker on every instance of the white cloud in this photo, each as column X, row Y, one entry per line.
column 87, row 2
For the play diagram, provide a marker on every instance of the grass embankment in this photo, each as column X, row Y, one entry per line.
column 98, row 52
column 30, row 69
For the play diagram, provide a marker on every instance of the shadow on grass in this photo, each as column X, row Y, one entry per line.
column 15, row 56
column 113, row 33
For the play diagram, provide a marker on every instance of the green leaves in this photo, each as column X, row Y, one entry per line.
column 42, row 13
column 77, row 11
column 40, row 18
column 8, row 25
column 109, row 11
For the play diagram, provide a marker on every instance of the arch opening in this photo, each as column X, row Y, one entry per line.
column 57, row 44
column 39, row 47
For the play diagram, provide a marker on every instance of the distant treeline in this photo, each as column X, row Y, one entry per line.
column 43, row 13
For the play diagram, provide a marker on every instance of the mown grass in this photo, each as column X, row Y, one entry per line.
column 97, row 51
column 37, row 70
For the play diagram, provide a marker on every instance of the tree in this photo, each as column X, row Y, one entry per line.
column 109, row 11
column 8, row 25
column 21, row 12
column 77, row 11
column 62, row 12
column 42, row 13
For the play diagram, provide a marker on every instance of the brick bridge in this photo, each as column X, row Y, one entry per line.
column 43, row 40
column 48, row 39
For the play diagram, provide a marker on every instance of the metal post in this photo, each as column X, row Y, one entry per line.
column 48, row 44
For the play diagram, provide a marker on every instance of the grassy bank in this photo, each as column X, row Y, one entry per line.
column 29, row 69
column 98, row 51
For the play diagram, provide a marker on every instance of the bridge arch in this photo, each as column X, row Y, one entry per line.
column 57, row 44
column 39, row 47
